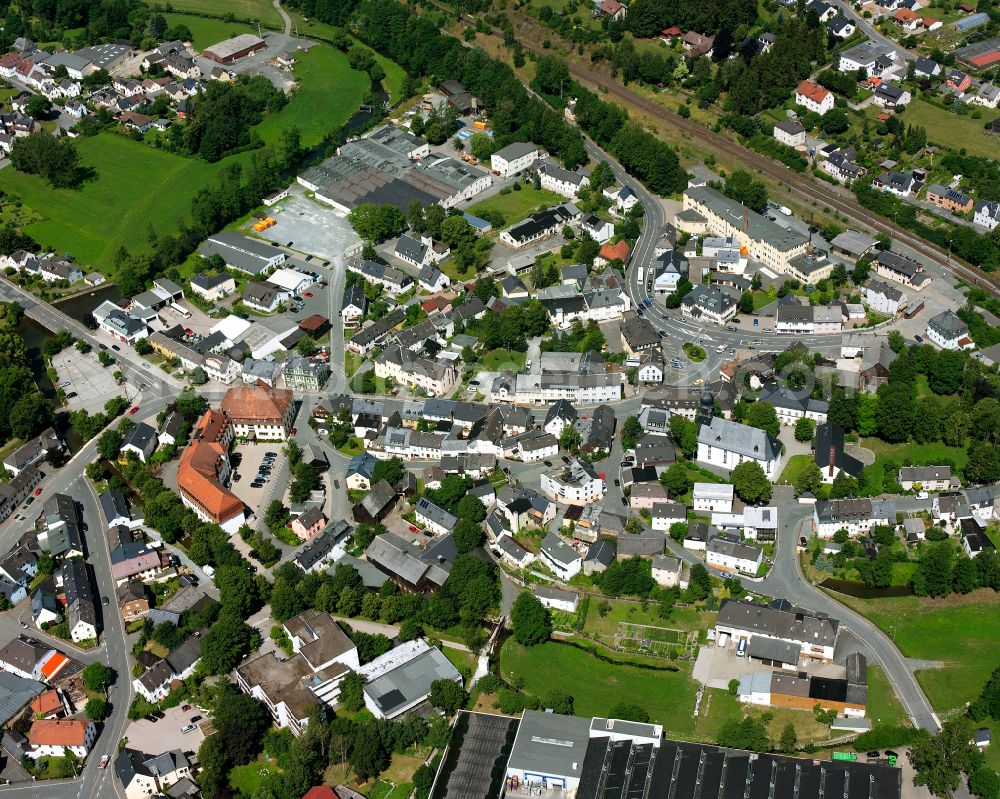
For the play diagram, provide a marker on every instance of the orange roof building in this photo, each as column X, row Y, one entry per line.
column 203, row 470
column 47, row 704
column 259, row 411
column 53, row 737
column 610, row 252
column 813, row 97
column 320, row 792
column 57, row 662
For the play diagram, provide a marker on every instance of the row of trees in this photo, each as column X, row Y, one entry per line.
column 28, row 412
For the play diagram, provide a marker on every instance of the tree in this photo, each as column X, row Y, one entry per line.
column 789, row 742
column 448, row 696
column 570, row 439
column 940, row 760
column 97, row 677
column 352, row 695
column 376, row 223
column 198, row 376
column 747, row 733
column 745, row 305
column 896, row 341
column 38, row 107
column 629, row 712
column 530, row 620
column 933, row 575
column 963, row 576
column 30, row 414
column 391, row 470
column 805, row 429
column 157, row 25
column 226, row 643
column 559, row 702
column 96, row 709
column 55, row 159
column 142, row 347
column 945, row 373
column 237, row 589
column 676, row 480
column 835, row 121
column 751, row 483
column 369, row 756
column 809, row 479
column 742, row 187
column 843, row 486
column 631, row 431
column 763, row 416
column 468, row 535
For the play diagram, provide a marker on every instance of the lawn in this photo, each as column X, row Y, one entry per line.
column 136, row 186
column 206, row 32
column 945, row 128
column 911, row 454
column 246, row 779
column 959, row 631
column 496, row 360
column 516, row 205
column 263, row 10
column 794, row 467
column 668, row 696
column 883, row 706
column 328, row 94
column 464, row 661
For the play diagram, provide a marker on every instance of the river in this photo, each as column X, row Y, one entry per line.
column 79, row 306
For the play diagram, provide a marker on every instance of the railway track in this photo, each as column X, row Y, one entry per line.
column 791, row 180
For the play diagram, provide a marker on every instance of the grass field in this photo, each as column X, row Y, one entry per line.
column 959, row 631
column 263, row 10
column 668, row 697
column 883, row 706
column 135, row 186
column 516, row 205
column 597, row 687
column 794, row 467
column 329, row 93
column 945, row 128
column 206, row 32
column 464, row 661
column 495, row 360
column 246, row 779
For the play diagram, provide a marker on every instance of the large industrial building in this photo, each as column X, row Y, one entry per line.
column 392, row 167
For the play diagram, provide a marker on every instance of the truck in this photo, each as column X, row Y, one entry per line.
column 785, row 210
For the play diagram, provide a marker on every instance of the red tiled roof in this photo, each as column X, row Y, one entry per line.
column 198, row 472
column 673, row 31
column 611, row 251
column 58, row 732
column 256, row 403
column 812, row 91
column 986, row 59
column 46, row 703
column 320, row 792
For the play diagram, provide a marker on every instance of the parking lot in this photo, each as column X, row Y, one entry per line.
column 310, row 227
column 157, row 737
column 250, row 457
column 84, row 376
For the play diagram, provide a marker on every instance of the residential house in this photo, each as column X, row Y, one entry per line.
column 142, row 775
column 600, row 230
column 557, row 598
column 925, row 478
column 81, row 611
column 668, row 572
column 706, row 303
column 714, row 497
column 790, row 132
column 949, row 332
column 58, row 737
column 133, row 604
column 813, row 97
column 213, row 288
column 575, row 484
column 949, row 199
column 562, row 181
column 856, row 516
column 33, row 451
column 987, row 214
column 561, row 558
column 901, row 269
column 815, row 634
column 883, row 298
column 141, row 440
column 513, row 159
column 730, row 554
column 308, row 524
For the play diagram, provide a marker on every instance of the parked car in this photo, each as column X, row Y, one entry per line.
column 188, row 728
column 105, row 601
column 116, row 348
column 65, row 383
column 38, row 491
column 132, row 411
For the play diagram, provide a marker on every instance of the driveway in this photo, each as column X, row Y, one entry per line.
column 157, row 737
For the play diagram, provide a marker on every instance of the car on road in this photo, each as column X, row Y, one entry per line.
column 618, row 483
column 768, row 330
column 105, row 601
column 71, row 395
column 565, row 459
column 698, row 382
column 918, row 339
column 625, row 501
column 133, row 411
column 237, row 477
column 24, row 625
column 185, row 708
column 873, row 754
column 38, row 491
column 146, row 365
column 29, row 501
column 890, row 753
column 293, row 431
column 647, row 302
column 104, row 761
column 307, row 294
column 116, row 348
column 638, row 312
column 496, row 553
column 195, row 718
column 270, row 454
column 731, row 328
column 548, row 463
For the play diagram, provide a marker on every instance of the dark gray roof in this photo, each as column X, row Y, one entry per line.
column 15, row 693
column 794, row 624
column 601, row 551
column 740, row 438
column 948, row 325
column 764, row 648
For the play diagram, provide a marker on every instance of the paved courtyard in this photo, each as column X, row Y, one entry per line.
column 251, row 457
column 92, row 383
column 716, row 666
column 310, row 227
column 157, row 737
